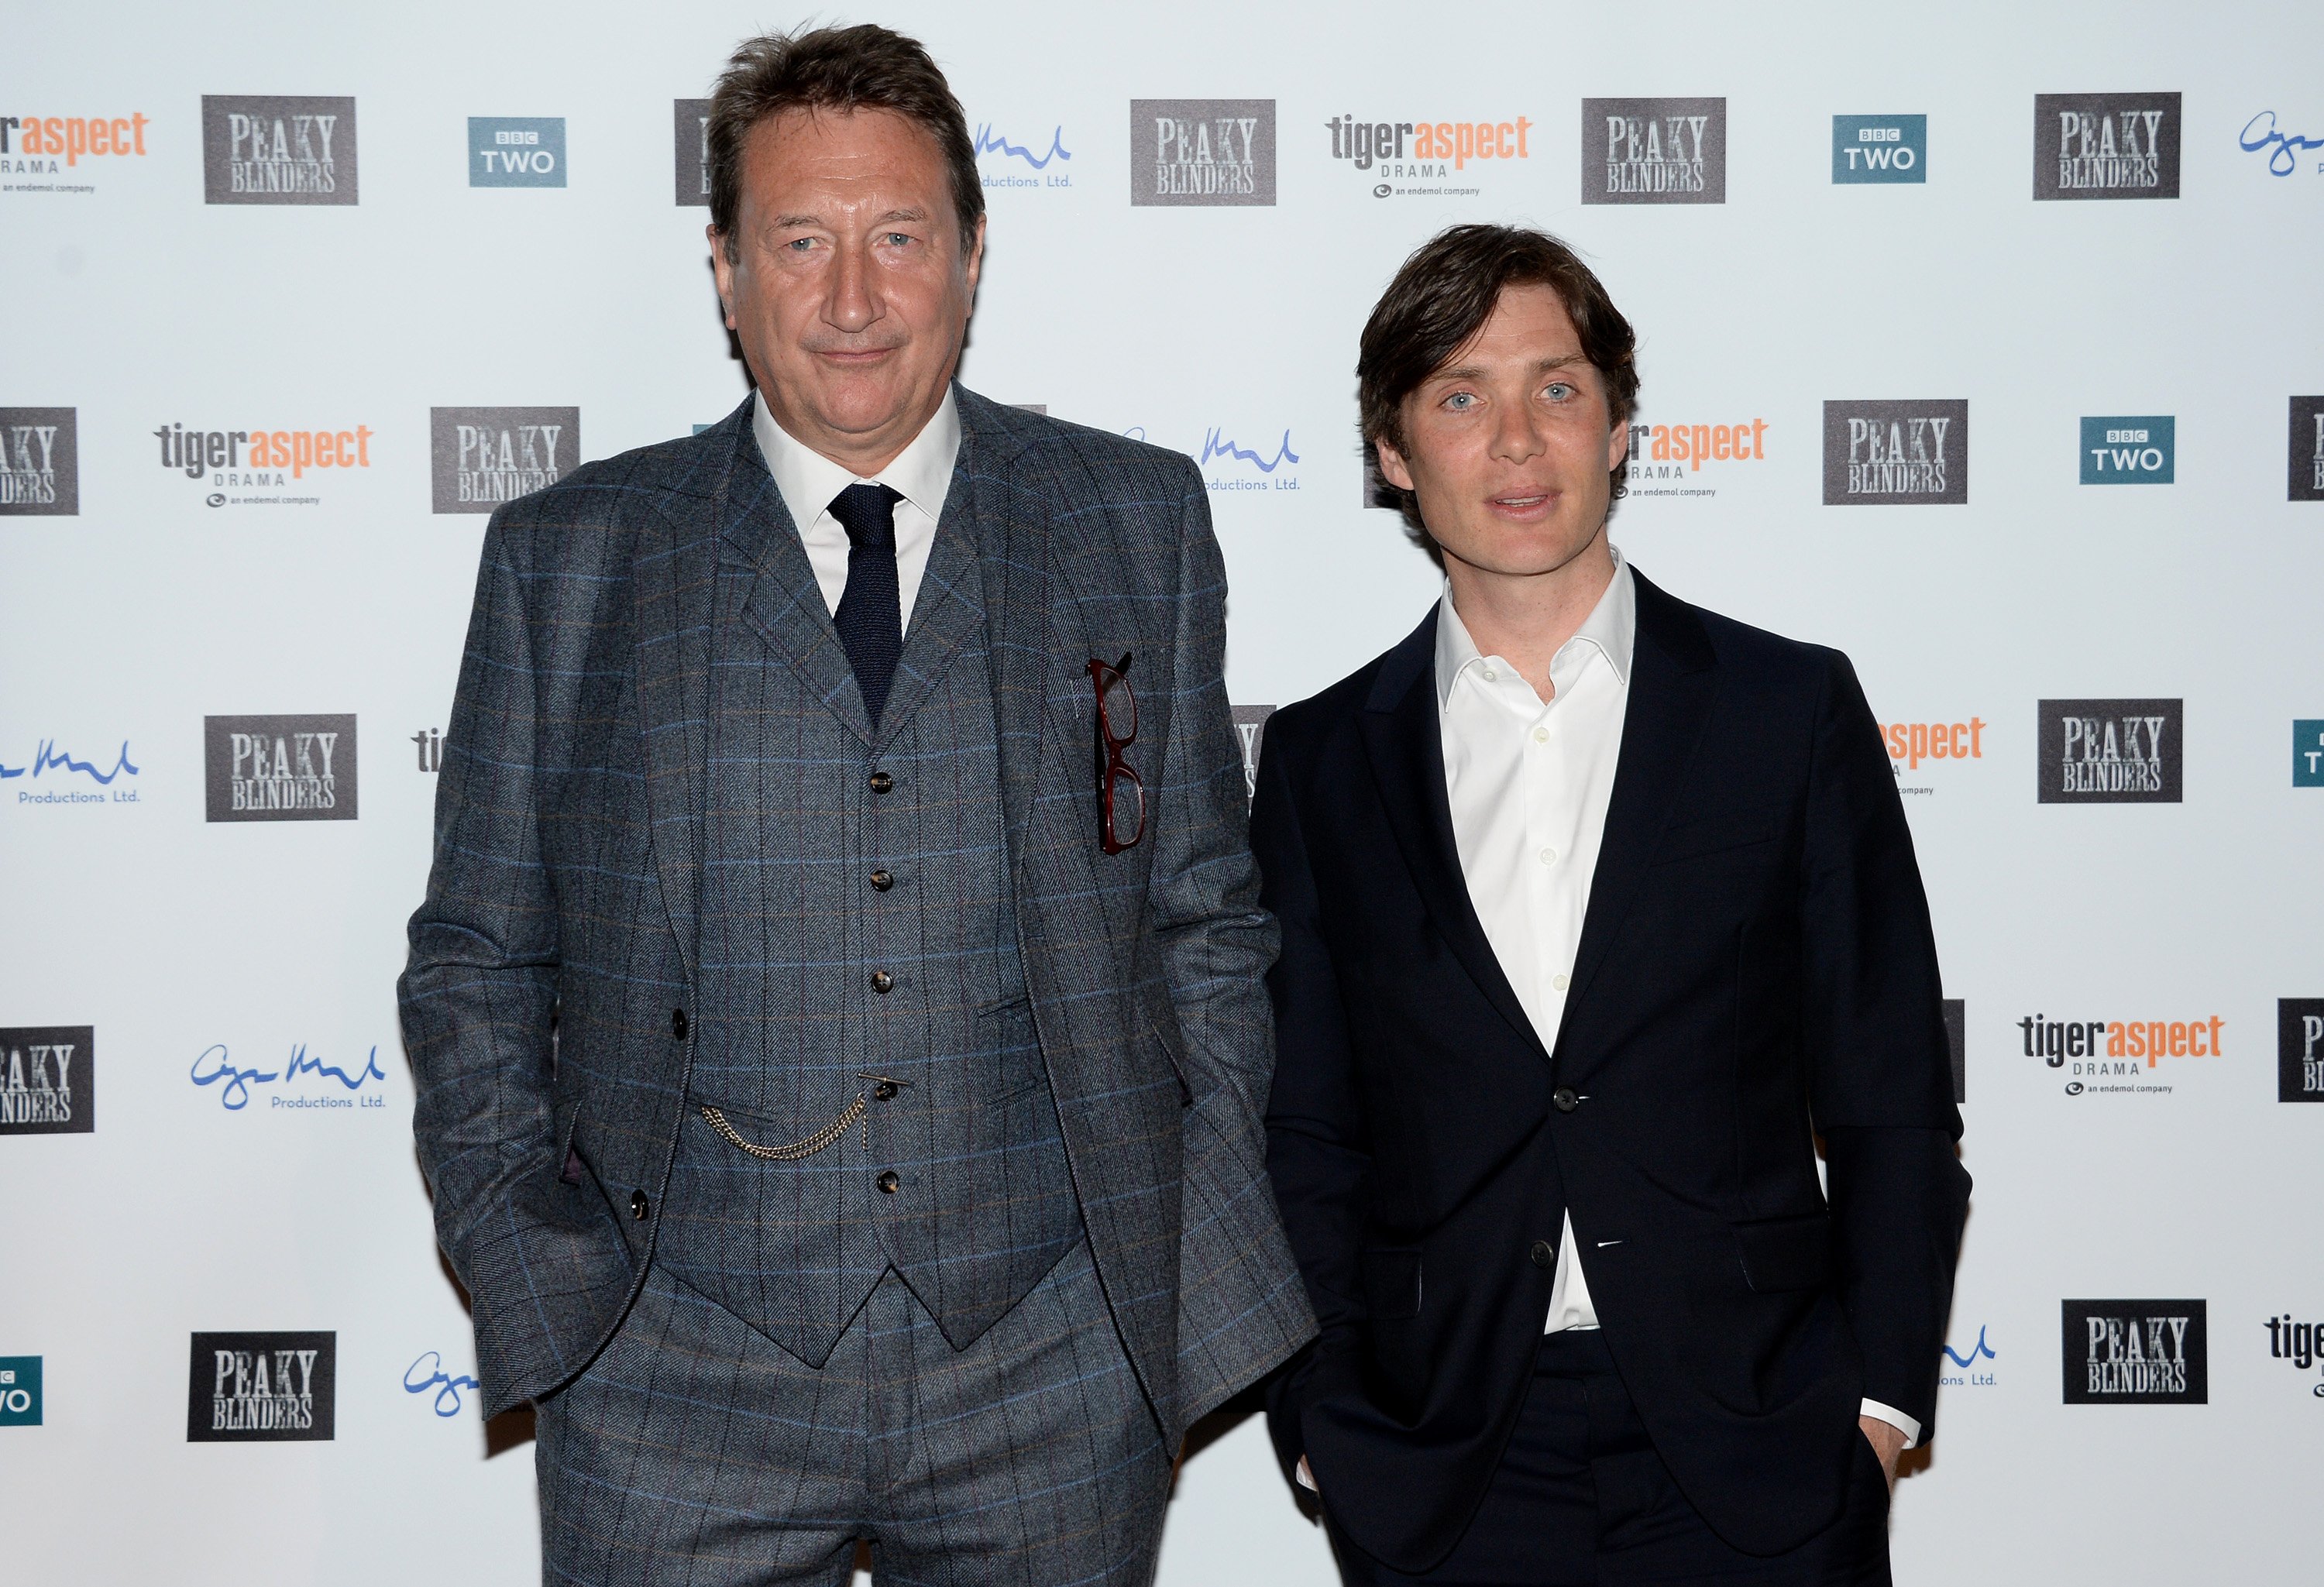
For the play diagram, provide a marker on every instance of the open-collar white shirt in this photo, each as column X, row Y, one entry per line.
column 1529, row 781
column 809, row 482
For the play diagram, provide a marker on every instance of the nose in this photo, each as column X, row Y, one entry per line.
column 1517, row 436
column 852, row 305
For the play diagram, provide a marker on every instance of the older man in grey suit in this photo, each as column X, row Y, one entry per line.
column 836, row 1008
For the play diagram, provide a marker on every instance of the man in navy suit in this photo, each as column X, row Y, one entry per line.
column 1597, row 909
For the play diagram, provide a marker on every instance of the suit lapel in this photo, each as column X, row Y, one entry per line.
column 1670, row 689
column 674, row 580
column 1403, row 740
column 784, row 604
column 945, row 615
column 1009, row 529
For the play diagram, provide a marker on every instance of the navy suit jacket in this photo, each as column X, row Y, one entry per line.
column 1755, row 970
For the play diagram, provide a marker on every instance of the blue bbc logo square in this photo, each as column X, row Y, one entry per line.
column 19, row 1391
column 2129, row 449
column 2308, row 754
column 516, row 151
column 1880, row 149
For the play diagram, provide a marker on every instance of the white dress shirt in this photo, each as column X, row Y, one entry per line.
column 1529, row 782
column 809, row 482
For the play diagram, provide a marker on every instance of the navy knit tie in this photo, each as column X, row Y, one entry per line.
column 870, row 616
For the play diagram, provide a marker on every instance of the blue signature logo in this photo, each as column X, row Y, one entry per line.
column 446, row 1385
column 62, row 761
column 989, row 141
column 2283, row 161
column 1981, row 1349
column 1216, row 445
column 212, row 1068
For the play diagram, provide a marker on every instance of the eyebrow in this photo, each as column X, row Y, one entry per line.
column 1477, row 372
column 788, row 222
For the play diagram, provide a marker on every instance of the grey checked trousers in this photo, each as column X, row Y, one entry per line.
column 694, row 1450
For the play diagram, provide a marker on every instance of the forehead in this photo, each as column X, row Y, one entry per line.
column 1528, row 326
column 852, row 154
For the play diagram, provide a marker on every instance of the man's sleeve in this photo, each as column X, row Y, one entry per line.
column 480, row 987
column 1319, row 1156
column 1880, row 1070
column 1240, row 1309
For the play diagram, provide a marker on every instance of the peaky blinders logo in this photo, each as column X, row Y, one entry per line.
column 1188, row 151
column 482, row 456
column 690, row 143
column 39, row 463
column 2112, row 751
column 1654, row 150
column 2105, row 145
column 280, row 767
column 277, row 149
column 2304, row 461
column 2136, row 1351
column 48, row 1080
column 260, row 1387
column 1911, row 454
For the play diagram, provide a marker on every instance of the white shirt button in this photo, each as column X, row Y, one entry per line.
column 1541, row 735
column 1491, row 676
column 1559, row 982
column 1549, row 857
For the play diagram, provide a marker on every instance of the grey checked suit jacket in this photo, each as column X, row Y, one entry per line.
column 558, row 939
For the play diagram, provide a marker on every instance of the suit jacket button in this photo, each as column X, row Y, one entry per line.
column 678, row 1023
column 881, row 782
column 639, row 1206
column 1563, row 1099
column 881, row 981
column 888, row 1182
column 1543, row 1254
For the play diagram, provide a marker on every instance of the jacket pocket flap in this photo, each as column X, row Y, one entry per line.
column 1391, row 1281
column 1710, row 835
column 1785, row 1253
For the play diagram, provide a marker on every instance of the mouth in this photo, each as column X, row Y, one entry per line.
column 1522, row 507
column 853, row 357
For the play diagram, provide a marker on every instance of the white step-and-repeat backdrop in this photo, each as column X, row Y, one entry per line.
column 1981, row 340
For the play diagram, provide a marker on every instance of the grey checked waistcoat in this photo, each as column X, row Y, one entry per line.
column 794, row 930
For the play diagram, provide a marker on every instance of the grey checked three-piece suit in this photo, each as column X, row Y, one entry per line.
column 678, row 867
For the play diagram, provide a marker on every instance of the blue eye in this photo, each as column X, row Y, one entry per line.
column 898, row 240
column 1557, row 390
column 1461, row 402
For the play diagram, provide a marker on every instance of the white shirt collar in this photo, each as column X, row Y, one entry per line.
column 1612, row 627
column 808, row 481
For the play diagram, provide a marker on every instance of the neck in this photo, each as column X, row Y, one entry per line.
column 863, row 456
column 1526, row 618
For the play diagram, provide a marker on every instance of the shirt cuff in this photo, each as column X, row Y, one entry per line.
column 1306, row 1478
column 1909, row 1427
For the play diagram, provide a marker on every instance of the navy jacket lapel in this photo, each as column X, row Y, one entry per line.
column 1404, row 739
column 1671, row 687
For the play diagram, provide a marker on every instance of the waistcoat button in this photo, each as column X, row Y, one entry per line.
column 678, row 1023
column 881, row 981
column 888, row 1182
column 881, row 782
column 882, row 881
column 885, row 1091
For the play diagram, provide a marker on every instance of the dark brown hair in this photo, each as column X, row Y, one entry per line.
column 1440, row 298
column 861, row 68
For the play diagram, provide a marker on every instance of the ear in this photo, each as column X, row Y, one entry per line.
column 1392, row 465
column 1617, row 444
column 974, row 259
column 723, row 270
